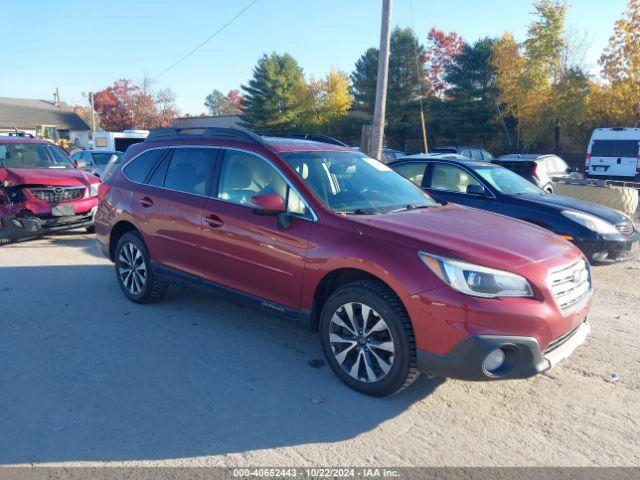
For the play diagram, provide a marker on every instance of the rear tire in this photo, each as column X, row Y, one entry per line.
column 548, row 189
column 133, row 270
column 368, row 339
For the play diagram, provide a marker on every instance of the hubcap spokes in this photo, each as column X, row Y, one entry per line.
column 132, row 268
column 361, row 342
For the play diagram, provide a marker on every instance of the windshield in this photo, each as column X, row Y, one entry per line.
column 103, row 158
column 507, row 182
column 354, row 183
column 32, row 155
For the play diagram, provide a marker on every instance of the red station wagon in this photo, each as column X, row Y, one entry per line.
column 41, row 191
column 335, row 241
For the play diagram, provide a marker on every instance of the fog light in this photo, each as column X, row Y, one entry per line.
column 494, row 360
column 600, row 256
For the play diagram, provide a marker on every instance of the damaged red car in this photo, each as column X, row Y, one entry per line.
column 41, row 191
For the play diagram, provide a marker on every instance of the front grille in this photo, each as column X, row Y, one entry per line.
column 57, row 194
column 570, row 284
column 625, row 228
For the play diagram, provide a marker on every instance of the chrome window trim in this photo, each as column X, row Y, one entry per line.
column 314, row 217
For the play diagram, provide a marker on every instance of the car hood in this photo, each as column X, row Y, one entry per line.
column 468, row 234
column 45, row 176
column 559, row 202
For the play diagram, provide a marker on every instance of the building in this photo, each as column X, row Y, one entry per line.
column 27, row 115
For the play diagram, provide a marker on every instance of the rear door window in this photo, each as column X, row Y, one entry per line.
column 614, row 148
column 138, row 169
column 190, row 170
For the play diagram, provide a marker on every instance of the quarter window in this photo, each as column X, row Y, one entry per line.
column 245, row 175
column 138, row 169
column 190, row 169
column 450, row 178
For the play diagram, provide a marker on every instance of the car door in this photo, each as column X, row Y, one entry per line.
column 451, row 183
column 168, row 207
column 250, row 252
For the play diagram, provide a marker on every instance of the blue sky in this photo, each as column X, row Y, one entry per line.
column 80, row 46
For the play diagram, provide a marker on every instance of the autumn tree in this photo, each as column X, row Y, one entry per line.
column 439, row 54
column 621, row 66
column 328, row 100
column 276, row 94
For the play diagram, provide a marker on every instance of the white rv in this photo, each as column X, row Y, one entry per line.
column 614, row 152
column 118, row 141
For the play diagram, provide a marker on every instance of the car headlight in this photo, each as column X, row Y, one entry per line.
column 477, row 280
column 93, row 189
column 595, row 224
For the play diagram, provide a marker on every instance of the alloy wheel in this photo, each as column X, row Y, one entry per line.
column 132, row 268
column 361, row 342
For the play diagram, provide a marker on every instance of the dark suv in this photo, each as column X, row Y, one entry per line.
column 335, row 241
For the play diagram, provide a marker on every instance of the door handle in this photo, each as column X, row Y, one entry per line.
column 145, row 202
column 214, row 221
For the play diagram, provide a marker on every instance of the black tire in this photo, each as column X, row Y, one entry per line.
column 137, row 290
column 91, row 229
column 388, row 307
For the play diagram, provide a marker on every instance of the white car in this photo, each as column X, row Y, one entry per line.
column 614, row 152
column 96, row 161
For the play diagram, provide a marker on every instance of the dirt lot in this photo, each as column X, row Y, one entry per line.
column 87, row 377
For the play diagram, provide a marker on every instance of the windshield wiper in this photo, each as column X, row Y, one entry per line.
column 411, row 206
column 357, row 211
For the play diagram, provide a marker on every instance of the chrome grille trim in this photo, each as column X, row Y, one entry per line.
column 625, row 228
column 58, row 194
column 570, row 285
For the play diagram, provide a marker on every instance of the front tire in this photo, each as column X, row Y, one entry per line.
column 368, row 339
column 133, row 270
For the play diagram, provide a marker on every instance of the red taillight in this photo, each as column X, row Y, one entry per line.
column 535, row 171
column 587, row 160
column 103, row 189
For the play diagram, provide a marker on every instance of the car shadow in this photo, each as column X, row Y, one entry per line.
column 89, row 376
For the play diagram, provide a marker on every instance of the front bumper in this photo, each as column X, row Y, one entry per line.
column 19, row 226
column 524, row 358
column 607, row 249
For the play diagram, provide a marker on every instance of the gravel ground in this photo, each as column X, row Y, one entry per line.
column 89, row 378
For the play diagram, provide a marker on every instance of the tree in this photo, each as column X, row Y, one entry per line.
column 438, row 56
column 406, row 73
column 126, row 105
column 275, row 97
column 621, row 66
column 470, row 113
column 235, row 100
column 329, row 101
column 218, row 104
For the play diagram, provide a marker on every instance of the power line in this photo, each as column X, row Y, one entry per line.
column 223, row 27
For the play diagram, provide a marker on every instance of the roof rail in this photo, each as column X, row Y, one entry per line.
column 214, row 133
column 315, row 137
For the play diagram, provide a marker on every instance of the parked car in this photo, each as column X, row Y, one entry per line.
column 539, row 169
column 614, row 153
column 95, row 161
column 41, row 191
column 474, row 153
column 390, row 154
column 604, row 235
column 395, row 282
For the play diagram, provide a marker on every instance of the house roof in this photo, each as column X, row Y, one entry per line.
column 26, row 113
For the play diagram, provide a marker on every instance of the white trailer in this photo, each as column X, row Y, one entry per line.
column 118, row 141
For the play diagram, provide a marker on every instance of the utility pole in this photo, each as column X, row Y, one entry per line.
column 377, row 133
column 93, row 115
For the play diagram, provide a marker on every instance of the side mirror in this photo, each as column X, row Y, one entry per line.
column 270, row 204
column 475, row 189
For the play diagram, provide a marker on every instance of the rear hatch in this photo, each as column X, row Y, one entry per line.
column 614, row 153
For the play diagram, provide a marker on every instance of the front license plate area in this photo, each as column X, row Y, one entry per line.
column 63, row 211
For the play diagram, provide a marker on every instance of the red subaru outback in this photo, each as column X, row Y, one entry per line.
column 331, row 239
column 41, row 191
